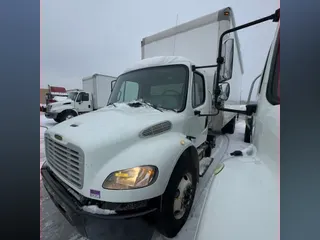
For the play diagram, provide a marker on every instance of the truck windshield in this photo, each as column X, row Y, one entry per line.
column 72, row 95
column 164, row 87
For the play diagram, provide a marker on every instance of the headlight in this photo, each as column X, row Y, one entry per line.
column 132, row 178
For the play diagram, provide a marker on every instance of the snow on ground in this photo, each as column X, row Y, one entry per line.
column 54, row 226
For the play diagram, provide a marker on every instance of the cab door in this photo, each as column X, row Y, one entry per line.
column 199, row 103
column 83, row 102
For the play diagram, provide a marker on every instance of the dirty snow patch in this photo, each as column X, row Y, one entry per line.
column 204, row 165
column 96, row 210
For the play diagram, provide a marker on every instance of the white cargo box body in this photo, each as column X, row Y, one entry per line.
column 100, row 87
column 197, row 41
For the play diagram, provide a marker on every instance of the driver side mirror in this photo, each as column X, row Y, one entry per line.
column 224, row 91
column 227, row 54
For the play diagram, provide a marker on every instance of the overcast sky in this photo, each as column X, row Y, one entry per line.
column 83, row 37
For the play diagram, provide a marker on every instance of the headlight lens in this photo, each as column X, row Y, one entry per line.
column 132, row 178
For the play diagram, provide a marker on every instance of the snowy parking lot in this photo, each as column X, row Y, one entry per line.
column 55, row 227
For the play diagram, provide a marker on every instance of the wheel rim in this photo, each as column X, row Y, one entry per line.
column 183, row 197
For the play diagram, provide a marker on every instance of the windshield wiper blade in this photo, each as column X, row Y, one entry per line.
column 151, row 105
column 170, row 109
column 111, row 104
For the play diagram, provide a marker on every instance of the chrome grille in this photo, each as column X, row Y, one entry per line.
column 67, row 160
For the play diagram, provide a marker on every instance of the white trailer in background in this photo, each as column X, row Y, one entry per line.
column 94, row 95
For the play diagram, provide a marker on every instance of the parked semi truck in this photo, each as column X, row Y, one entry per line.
column 94, row 95
column 140, row 155
column 244, row 201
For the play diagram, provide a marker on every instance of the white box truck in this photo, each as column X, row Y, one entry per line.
column 94, row 95
column 141, row 155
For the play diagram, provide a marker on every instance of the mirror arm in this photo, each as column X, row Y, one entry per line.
column 194, row 67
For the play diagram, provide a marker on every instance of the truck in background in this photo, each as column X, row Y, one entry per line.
column 243, row 200
column 55, row 94
column 94, row 95
column 141, row 155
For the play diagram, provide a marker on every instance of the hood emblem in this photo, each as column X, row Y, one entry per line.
column 58, row 137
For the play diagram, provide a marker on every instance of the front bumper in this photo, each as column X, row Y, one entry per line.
column 51, row 115
column 115, row 225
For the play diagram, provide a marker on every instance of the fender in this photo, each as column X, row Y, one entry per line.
column 242, row 203
column 162, row 151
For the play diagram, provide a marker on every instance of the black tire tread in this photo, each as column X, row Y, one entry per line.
column 166, row 224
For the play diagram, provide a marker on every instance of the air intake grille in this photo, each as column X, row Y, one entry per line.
column 156, row 129
column 67, row 160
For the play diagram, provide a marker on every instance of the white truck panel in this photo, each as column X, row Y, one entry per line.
column 88, row 85
column 100, row 87
column 103, row 88
column 201, row 50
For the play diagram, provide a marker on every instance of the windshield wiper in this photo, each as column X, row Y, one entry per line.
column 152, row 105
column 170, row 109
column 111, row 104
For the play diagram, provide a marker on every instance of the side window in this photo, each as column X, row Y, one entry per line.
column 85, row 97
column 79, row 97
column 128, row 92
column 198, row 90
column 273, row 88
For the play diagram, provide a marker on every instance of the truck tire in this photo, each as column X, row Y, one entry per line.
column 67, row 115
column 177, row 199
column 57, row 120
column 248, row 131
column 230, row 127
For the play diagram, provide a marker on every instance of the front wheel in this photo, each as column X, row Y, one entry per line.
column 57, row 120
column 67, row 115
column 178, row 198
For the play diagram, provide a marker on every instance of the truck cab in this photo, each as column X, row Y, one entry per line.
column 77, row 102
column 169, row 85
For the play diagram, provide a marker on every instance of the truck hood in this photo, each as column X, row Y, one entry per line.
column 111, row 125
column 60, row 102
